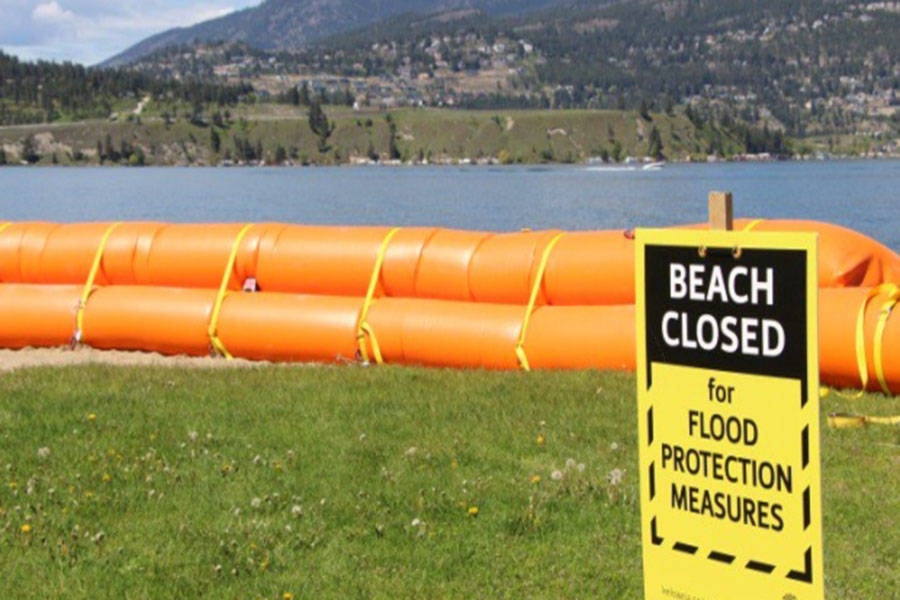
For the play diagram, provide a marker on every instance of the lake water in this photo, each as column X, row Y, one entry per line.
column 862, row 195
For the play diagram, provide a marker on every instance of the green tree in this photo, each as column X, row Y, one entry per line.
column 215, row 141
column 393, row 148
column 320, row 125
column 656, row 146
column 29, row 150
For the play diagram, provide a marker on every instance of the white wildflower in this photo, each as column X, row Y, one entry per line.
column 615, row 476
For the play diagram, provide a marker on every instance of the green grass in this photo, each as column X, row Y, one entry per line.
column 345, row 482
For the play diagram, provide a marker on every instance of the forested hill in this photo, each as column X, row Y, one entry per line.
column 43, row 92
column 803, row 68
column 808, row 67
column 289, row 25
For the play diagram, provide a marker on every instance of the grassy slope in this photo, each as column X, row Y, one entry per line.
column 351, row 482
column 515, row 136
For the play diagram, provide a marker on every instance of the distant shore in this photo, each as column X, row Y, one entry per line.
column 406, row 137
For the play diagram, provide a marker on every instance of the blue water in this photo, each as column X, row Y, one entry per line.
column 862, row 195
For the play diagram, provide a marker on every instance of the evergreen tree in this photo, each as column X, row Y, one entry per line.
column 656, row 146
column 215, row 141
column 320, row 125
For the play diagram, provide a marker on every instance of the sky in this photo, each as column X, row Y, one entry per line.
column 90, row 31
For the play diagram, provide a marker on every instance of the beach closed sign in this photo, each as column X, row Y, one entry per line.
column 728, row 415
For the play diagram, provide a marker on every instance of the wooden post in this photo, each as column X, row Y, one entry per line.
column 721, row 211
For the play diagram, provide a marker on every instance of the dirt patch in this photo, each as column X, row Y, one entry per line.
column 36, row 357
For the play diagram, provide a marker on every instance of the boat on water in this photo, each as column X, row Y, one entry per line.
column 627, row 165
column 419, row 295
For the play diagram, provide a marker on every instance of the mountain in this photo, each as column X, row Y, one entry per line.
column 290, row 24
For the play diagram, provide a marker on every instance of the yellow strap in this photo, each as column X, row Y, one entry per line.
column 847, row 421
column 878, row 341
column 376, row 349
column 89, row 284
column 223, row 291
column 535, row 289
column 363, row 329
column 861, row 363
column 752, row 224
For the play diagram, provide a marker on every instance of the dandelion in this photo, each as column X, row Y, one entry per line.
column 615, row 476
column 540, row 440
column 192, row 435
column 614, row 446
column 287, row 596
column 410, row 452
column 25, row 529
column 556, row 475
column 297, row 511
column 226, row 469
column 580, row 467
column 43, row 452
column 91, row 417
column 473, row 511
column 535, row 479
column 107, row 478
column 570, row 464
column 256, row 503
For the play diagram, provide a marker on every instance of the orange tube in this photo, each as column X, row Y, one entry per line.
column 591, row 267
column 582, row 337
column 503, row 266
column 443, row 266
column 319, row 260
column 446, row 333
column 21, row 247
column 37, row 315
column 846, row 257
column 838, row 313
column 287, row 327
column 155, row 319
column 443, row 297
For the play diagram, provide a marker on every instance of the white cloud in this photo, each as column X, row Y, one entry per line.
column 51, row 12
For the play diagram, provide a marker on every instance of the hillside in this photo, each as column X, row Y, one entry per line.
column 282, row 135
column 818, row 67
column 291, row 24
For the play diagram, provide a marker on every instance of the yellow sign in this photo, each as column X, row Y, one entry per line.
column 728, row 415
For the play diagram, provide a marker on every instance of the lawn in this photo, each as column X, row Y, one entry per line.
column 334, row 482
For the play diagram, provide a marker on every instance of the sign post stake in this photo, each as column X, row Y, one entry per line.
column 721, row 211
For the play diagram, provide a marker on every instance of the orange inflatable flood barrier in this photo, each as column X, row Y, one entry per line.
column 430, row 296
